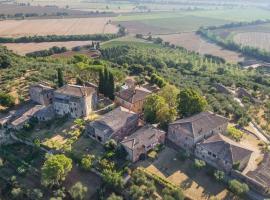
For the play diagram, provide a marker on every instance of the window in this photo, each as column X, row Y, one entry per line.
column 209, row 153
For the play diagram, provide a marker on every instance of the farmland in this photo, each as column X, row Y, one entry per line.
column 24, row 48
column 193, row 42
column 185, row 21
column 74, row 26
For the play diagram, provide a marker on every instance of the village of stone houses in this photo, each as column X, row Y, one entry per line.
column 112, row 146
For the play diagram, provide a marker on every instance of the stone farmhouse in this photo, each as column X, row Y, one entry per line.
column 74, row 100
column 186, row 133
column 132, row 98
column 223, row 153
column 41, row 94
column 139, row 143
column 116, row 125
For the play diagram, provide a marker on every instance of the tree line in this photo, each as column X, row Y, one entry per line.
column 49, row 52
column 59, row 38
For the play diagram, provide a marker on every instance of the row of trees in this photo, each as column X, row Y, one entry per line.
column 49, row 52
column 106, row 83
column 58, row 38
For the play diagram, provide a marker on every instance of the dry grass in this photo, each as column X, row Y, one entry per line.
column 24, row 48
column 74, row 26
column 194, row 42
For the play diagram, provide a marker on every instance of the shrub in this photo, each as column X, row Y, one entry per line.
column 237, row 187
column 6, row 100
column 87, row 162
column 199, row 164
column 234, row 133
column 78, row 191
column 219, row 175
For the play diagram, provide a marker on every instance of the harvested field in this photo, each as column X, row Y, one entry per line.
column 72, row 26
column 254, row 39
column 24, row 48
column 12, row 9
column 194, row 42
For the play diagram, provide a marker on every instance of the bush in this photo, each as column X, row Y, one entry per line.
column 87, row 162
column 234, row 133
column 6, row 100
column 237, row 187
column 78, row 191
column 219, row 175
column 199, row 164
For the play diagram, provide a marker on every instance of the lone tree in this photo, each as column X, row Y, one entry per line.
column 55, row 169
column 190, row 102
column 60, row 77
column 114, row 197
column 78, row 191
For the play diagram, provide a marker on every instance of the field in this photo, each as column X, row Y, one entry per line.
column 185, row 21
column 24, row 48
column 10, row 9
column 194, row 42
column 78, row 26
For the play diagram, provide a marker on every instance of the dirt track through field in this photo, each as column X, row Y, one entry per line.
column 74, row 26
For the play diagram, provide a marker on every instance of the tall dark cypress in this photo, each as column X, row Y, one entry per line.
column 101, row 82
column 60, row 77
column 106, row 82
column 111, row 86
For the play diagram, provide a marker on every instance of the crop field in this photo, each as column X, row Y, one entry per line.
column 185, row 21
column 78, row 26
column 251, row 35
column 11, row 9
column 24, row 48
column 193, row 42
column 254, row 39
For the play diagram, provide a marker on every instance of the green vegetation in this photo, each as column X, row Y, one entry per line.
column 55, row 169
column 58, row 38
column 190, row 103
column 78, row 191
column 106, row 83
column 238, row 188
column 87, row 162
column 6, row 100
column 199, row 164
column 219, row 175
column 234, row 133
column 44, row 53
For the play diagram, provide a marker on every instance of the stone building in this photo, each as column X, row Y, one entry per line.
column 186, row 133
column 41, row 94
column 76, row 101
column 132, row 98
column 116, row 125
column 143, row 140
column 223, row 153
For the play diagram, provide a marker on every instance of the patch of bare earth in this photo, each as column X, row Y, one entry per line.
column 193, row 42
column 24, row 48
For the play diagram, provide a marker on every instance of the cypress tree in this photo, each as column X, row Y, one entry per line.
column 111, row 86
column 106, row 82
column 101, row 81
column 60, row 77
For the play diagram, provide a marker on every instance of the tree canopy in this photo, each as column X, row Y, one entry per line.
column 55, row 169
column 190, row 102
